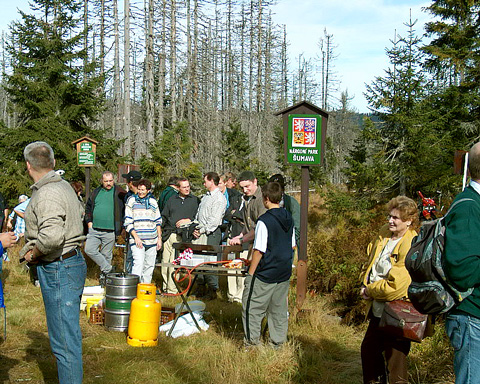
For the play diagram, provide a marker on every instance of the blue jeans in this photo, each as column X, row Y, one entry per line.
column 464, row 334
column 62, row 286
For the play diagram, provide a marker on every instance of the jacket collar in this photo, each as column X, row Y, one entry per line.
column 50, row 177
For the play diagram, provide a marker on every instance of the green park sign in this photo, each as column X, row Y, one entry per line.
column 304, row 144
column 86, row 159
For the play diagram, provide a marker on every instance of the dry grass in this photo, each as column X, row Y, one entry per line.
column 320, row 349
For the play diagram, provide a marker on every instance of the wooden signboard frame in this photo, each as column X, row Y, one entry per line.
column 306, row 111
column 86, row 157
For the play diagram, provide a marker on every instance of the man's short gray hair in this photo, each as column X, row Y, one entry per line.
column 474, row 162
column 39, row 155
column 105, row 173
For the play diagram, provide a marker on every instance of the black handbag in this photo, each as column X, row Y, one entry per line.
column 401, row 319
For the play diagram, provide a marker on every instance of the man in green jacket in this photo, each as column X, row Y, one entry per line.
column 462, row 267
column 168, row 192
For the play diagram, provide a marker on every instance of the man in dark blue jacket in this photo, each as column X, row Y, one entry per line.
column 268, row 278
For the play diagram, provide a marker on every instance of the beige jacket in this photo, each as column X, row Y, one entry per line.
column 53, row 219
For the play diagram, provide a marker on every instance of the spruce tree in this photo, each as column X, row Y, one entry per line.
column 453, row 57
column 53, row 88
column 236, row 148
column 171, row 155
column 394, row 99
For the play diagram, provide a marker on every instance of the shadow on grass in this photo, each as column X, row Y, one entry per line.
column 324, row 361
column 6, row 364
column 39, row 351
column 166, row 363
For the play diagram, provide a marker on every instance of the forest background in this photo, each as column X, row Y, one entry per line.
column 197, row 88
column 181, row 87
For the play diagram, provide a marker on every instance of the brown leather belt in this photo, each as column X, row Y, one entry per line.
column 67, row 255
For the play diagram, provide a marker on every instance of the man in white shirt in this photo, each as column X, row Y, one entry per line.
column 209, row 217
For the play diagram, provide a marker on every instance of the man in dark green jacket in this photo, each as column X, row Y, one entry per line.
column 168, row 192
column 462, row 267
column 104, row 217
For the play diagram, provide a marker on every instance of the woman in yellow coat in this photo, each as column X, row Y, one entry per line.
column 384, row 357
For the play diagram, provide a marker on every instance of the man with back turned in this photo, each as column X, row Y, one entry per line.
column 54, row 233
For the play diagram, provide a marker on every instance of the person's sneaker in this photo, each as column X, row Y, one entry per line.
column 102, row 279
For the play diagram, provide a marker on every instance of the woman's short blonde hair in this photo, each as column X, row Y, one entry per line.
column 407, row 208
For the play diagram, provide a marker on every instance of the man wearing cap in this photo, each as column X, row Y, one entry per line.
column 132, row 178
column 104, row 217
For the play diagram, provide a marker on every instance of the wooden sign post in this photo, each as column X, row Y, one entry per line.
column 304, row 134
column 86, row 156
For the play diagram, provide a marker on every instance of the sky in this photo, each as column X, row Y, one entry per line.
column 361, row 30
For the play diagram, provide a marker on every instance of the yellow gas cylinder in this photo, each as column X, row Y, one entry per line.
column 144, row 317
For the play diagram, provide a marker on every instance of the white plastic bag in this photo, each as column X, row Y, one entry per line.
column 185, row 325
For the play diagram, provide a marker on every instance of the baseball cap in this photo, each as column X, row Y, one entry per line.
column 132, row 176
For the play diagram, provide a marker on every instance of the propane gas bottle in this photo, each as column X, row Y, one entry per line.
column 144, row 317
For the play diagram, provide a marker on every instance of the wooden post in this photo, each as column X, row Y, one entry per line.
column 302, row 250
column 87, row 183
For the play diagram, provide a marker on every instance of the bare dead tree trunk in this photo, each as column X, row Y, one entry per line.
column 267, row 99
column 259, row 57
column 195, row 87
column 173, row 59
column 188, row 91
column 161, row 71
column 102, row 43
column 252, row 44
column 149, row 82
column 126, row 81
column 284, row 60
column 241, row 76
column 117, row 87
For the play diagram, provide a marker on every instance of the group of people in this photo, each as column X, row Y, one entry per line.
column 55, row 218
column 223, row 215
column 386, row 279
column 266, row 219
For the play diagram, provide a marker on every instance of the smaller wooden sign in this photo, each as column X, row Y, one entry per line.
column 86, row 151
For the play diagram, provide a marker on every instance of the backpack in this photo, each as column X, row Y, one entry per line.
column 430, row 292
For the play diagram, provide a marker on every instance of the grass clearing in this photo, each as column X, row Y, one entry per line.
column 320, row 349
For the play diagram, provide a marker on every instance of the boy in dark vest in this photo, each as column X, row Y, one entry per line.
column 268, row 278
